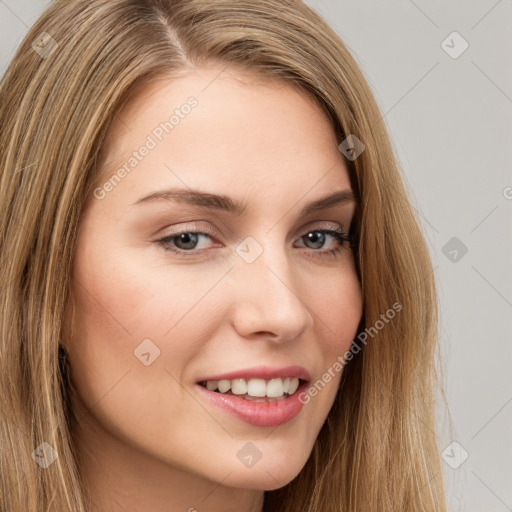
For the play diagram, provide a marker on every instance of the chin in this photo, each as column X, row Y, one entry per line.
column 261, row 480
column 265, row 476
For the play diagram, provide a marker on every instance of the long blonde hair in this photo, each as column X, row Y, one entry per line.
column 78, row 65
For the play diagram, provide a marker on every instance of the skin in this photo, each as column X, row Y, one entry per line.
column 146, row 439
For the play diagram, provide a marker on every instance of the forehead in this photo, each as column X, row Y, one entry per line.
column 242, row 129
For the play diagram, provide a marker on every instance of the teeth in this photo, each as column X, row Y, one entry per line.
column 294, row 384
column 275, row 388
column 256, row 388
column 239, row 386
column 224, row 386
column 212, row 385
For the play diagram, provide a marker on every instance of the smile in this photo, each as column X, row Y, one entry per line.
column 255, row 389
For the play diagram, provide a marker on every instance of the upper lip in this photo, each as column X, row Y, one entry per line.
column 262, row 372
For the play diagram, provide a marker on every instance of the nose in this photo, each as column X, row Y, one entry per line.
column 269, row 300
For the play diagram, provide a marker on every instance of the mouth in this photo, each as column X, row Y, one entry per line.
column 253, row 405
column 256, row 390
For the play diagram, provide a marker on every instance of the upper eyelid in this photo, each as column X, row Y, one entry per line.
column 167, row 238
column 331, row 225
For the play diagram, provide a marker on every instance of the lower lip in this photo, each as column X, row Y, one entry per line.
column 260, row 414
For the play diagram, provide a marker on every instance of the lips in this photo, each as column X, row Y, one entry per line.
column 264, row 412
column 258, row 414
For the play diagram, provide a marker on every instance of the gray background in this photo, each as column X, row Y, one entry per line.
column 451, row 122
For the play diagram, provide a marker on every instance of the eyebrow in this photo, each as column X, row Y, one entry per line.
column 225, row 203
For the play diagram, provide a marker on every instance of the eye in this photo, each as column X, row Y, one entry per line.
column 185, row 241
column 188, row 243
column 318, row 237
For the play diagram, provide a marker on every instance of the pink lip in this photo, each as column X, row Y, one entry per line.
column 260, row 414
column 262, row 372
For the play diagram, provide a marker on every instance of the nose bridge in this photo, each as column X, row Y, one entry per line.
column 268, row 297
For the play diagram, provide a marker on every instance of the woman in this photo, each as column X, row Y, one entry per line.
column 215, row 294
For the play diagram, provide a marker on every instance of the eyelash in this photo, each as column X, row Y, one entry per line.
column 341, row 237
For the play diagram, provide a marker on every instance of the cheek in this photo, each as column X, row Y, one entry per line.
column 127, row 310
column 115, row 311
column 131, row 343
column 338, row 308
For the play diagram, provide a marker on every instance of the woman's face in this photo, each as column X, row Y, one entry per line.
column 258, row 290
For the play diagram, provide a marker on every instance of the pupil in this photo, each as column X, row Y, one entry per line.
column 316, row 235
column 189, row 239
